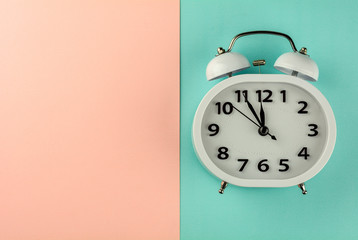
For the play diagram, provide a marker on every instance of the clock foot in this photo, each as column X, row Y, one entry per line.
column 223, row 186
column 303, row 188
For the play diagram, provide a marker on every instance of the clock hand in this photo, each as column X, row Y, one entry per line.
column 272, row 136
column 263, row 130
column 262, row 115
column 245, row 116
column 253, row 112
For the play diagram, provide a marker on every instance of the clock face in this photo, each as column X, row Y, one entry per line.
column 264, row 130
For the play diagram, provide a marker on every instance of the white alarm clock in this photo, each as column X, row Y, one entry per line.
column 264, row 130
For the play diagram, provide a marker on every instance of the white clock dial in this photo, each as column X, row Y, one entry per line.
column 286, row 139
column 292, row 115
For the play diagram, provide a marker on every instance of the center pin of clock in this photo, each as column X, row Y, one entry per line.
column 263, row 130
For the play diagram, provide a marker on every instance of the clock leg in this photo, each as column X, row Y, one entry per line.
column 303, row 188
column 223, row 186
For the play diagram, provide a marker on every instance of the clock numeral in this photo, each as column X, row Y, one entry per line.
column 226, row 108
column 214, row 128
column 262, row 166
column 267, row 98
column 303, row 153
column 244, row 93
column 302, row 110
column 243, row 165
column 223, row 153
column 283, row 163
column 313, row 129
column 283, row 92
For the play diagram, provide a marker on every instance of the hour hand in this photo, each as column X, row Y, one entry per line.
column 263, row 130
column 262, row 115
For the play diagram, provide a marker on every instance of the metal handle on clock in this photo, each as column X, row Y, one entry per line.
column 221, row 50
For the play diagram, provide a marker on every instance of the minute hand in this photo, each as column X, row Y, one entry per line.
column 272, row 136
column 254, row 113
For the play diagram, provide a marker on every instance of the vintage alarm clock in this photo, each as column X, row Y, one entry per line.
column 264, row 130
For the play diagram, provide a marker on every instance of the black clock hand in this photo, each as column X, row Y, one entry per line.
column 262, row 115
column 253, row 112
column 260, row 127
column 263, row 130
column 245, row 116
column 272, row 136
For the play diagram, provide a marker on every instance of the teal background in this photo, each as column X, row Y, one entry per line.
column 329, row 30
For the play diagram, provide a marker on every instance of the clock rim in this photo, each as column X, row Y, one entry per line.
column 279, row 78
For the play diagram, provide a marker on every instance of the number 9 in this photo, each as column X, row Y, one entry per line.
column 214, row 128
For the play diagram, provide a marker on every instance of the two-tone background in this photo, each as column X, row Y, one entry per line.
column 92, row 95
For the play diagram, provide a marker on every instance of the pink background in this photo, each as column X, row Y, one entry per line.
column 89, row 119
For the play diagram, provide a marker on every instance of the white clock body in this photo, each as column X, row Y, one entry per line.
column 297, row 114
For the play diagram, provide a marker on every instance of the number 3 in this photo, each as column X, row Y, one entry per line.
column 314, row 129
